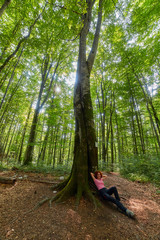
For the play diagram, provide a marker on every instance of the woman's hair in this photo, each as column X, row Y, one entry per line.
column 96, row 173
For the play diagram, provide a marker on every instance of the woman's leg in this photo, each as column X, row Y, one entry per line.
column 105, row 195
column 112, row 190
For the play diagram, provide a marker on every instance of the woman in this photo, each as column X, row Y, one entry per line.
column 106, row 193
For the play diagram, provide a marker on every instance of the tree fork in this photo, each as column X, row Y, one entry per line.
column 85, row 149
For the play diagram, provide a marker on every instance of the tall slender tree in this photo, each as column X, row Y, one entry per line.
column 85, row 145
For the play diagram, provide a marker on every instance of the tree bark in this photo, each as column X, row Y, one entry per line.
column 69, row 147
column 55, row 145
column 24, row 131
column 85, row 143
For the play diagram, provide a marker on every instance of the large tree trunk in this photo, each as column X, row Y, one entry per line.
column 85, row 145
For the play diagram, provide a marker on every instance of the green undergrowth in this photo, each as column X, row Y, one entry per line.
column 141, row 168
column 59, row 170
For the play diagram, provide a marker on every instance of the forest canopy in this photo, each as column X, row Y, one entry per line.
column 39, row 44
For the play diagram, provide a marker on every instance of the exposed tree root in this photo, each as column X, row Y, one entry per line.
column 39, row 204
column 61, row 185
column 69, row 190
column 91, row 197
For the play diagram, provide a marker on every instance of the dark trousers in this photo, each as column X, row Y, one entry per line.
column 106, row 194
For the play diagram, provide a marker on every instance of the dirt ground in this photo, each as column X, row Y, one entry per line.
column 66, row 222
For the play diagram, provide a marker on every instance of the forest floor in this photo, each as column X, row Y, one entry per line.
column 65, row 222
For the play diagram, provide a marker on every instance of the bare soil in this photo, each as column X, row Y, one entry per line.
column 65, row 222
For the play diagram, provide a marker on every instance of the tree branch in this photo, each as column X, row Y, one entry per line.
column 4, row 6
column 93, row 51
column 53, row 77
column 20, row 42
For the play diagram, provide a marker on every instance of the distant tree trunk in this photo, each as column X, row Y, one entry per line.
column 55, row 145
column 103, row 119
column 45, row 144
column 24, row 132
column 11, row 78
column 140, row 128
column 64, row 142
column 118, row 135
column 138, row 117
column 157, row 120
column 10, row 142
column 5, row 74
column 147, row 98
column 60, row 160
column 109, row 131
column 50, row 148
column 7, row 105
column 40, row 140
column 5, row 142
column 112, row 148
column 69, row 147
column 107, row 139
column 45, row 70
column 85, row 145
column 30, row 147
column 98, row 132
column 112, row 134
column 154, row 127
column 133, row 130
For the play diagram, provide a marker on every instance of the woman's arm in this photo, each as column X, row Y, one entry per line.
column 104, row 176
column 92, row 175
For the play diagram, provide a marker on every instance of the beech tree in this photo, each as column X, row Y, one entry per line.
column 85, row 145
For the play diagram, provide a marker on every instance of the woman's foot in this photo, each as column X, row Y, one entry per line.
column 130, row 214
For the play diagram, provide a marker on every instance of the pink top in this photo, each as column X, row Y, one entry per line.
column 99, row 183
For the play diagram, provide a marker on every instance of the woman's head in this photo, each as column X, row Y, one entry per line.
column 98, row 174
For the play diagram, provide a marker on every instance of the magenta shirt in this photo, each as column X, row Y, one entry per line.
column 99, row 183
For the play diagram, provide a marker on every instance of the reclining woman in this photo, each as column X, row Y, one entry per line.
column 106, row 193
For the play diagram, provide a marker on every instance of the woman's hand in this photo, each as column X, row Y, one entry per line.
column 92, row 175
column 104, row 176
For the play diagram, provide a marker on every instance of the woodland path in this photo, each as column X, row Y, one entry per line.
column 65, row 222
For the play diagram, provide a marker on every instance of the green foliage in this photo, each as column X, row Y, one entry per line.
column 128, row 52
column 59, row 170
column 141, row 168
column 109, row 167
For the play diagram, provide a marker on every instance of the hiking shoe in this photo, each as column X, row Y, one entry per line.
column 130, row 213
